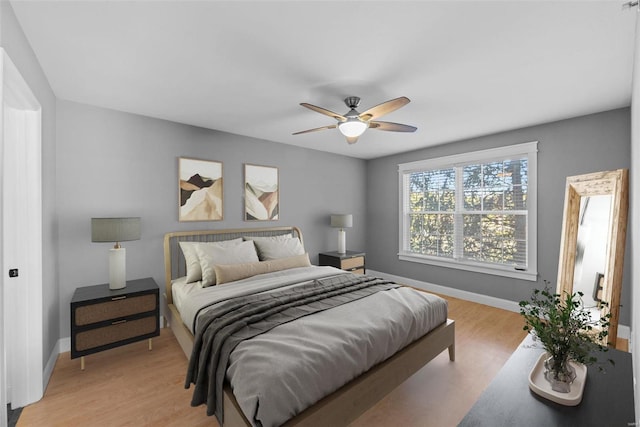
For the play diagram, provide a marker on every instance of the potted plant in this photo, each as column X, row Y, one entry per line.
column 567, row 332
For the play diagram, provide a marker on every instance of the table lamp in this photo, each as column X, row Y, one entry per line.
column 116, row 230
column 342, row 221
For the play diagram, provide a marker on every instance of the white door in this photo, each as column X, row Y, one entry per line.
column 14, row 248
column 21, row 222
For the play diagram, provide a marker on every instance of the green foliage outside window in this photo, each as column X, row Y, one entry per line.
column 488, row 207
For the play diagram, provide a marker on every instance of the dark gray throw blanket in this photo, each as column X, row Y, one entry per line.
column 227, row 324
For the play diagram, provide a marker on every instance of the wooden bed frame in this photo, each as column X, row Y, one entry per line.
column 347, row 403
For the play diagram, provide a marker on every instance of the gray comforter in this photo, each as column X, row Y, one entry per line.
column 277, row 374
column 224, row 326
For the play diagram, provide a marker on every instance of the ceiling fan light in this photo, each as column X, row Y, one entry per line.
column 352, row 127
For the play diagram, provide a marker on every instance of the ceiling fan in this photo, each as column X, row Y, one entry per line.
column 353, row 124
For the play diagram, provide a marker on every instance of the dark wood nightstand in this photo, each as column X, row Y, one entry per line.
column 352, row 261
column 102, row 319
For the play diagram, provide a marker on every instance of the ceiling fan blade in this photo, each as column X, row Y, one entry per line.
column 393, row 127
column 352, row 139
column 338, row 117
column 384, row 108
column 316, row 129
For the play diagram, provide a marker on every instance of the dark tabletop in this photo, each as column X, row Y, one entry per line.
column 607, row 400
column 88, row 293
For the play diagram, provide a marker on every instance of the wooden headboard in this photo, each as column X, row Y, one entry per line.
column 174, row 263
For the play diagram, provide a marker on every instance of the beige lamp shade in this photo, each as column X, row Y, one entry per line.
column 342, row 220
column 115, row 229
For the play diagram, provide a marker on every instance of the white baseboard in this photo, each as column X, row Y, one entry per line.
column 623, row 330
column 64, row 344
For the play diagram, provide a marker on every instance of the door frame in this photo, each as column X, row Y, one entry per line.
column 26, row 335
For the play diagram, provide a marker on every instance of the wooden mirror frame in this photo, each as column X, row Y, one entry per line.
column 616, row 184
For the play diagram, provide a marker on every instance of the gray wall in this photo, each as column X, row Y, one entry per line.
column 12, row 39
column 570, row 147
column 117, row 164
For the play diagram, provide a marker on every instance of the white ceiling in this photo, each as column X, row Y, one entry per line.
column 470, row 68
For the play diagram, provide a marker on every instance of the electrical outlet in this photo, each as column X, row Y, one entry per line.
column 13, row 272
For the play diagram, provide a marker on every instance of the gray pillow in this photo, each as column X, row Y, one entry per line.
column 210, row 256
column 194, row 271
column 282, row 248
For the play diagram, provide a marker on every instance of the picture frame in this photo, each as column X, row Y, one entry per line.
column 200, row 190
column 261, row 193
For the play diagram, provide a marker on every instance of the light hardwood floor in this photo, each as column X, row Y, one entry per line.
column 130, row 386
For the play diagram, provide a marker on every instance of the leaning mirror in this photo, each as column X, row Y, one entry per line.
column 593, row 240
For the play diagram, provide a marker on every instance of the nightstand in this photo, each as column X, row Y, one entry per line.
column 102, row 319
column 352, row 261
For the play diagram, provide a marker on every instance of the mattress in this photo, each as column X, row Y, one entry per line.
column 181, row 290
column 276, row 375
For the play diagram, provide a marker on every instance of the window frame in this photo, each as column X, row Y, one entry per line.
column 528, row 150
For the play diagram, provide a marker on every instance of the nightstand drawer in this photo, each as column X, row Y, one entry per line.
column 118, row 331
column 352, row 263
column 121, row 306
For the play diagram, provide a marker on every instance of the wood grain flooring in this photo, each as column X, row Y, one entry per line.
column 130, row 386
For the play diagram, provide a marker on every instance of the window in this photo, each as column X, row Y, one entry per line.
column 473, row 211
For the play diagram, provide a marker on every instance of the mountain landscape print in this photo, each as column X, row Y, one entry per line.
column 261, row 193
column 200, row 190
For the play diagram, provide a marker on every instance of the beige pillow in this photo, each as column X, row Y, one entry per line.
column 276, row 249
column 210, row 256
column 231, row 273
column 194, row 272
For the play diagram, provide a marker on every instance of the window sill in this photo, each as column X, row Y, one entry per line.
column 468, row 266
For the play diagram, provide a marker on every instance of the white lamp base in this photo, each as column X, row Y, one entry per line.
column 342, row 241
column 117, row 268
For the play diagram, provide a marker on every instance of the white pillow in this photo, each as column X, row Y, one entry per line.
column 194, row 272
column 211, row 255
column 275, row 249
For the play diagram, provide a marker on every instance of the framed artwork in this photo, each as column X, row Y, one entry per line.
column 200, row 190
column 261, row 193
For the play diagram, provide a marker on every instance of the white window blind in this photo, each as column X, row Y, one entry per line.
column 474, row 211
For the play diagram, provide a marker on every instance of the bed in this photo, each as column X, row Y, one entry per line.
column 348, row 401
